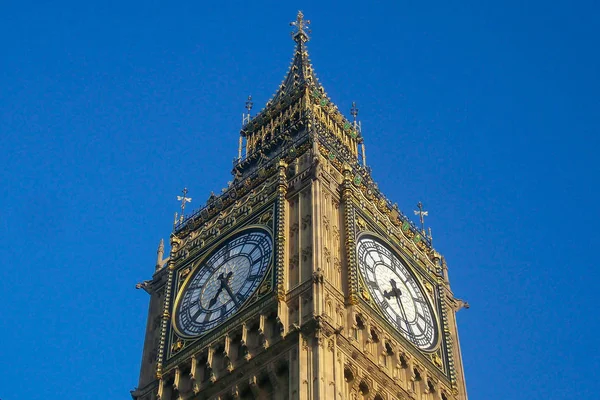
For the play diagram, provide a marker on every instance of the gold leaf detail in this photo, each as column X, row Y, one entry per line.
column 365, row 294
column 177, row 346
column 185, row 272
column 429, row 287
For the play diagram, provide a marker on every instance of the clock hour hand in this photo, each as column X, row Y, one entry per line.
column 213, row 301
column 225, row 285
column 395, row 292
column 224, row 282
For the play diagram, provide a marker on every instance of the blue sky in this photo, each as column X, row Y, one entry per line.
column 487, row 112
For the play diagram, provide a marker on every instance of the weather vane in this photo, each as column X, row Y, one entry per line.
column 301, row 28
column 421, row 215
column 183, row 200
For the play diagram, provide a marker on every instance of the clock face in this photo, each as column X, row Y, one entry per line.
column 396, row 291
column 223, row 282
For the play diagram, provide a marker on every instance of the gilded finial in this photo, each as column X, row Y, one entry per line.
column 248, row 107
column 422, row 214
column 249, row 104
column 358, row 129
column 354, row 112
column 245, row 121
column 301, row 34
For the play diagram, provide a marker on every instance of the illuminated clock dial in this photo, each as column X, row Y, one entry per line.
column 396, row 292
column 222, row 283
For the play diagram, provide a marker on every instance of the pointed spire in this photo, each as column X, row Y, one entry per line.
column 300, row 81
column 301, row 71
column 159, row 254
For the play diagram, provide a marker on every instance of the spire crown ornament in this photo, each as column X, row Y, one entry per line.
column 301, row 25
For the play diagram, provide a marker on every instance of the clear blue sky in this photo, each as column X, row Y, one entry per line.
column 487, row 112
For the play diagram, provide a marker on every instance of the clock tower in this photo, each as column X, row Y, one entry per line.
column 301, row 280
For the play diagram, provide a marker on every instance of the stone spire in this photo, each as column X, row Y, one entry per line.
column 301, row 71
column 159, row 254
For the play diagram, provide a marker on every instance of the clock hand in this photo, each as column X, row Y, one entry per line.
column 223, row 279
column 230, row 293
column 214, row 299
column 410, row 331
column 395, row 292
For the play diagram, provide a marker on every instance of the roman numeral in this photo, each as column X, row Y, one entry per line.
column 419, row 300
column 196, row 314
column 258, row 260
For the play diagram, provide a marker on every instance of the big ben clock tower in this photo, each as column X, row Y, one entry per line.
column 301, row 280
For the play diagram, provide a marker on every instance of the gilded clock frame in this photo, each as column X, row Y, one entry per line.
column 197, row 264
column 431, row 300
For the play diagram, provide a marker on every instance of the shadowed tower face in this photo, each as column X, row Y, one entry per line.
column 301, row 280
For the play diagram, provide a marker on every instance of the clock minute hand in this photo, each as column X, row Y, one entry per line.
column 225, row 285
column 396, row 290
